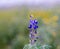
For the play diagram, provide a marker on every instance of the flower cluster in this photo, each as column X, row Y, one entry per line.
column 33, row 25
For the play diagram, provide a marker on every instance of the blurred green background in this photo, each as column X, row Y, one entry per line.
column 14, row 32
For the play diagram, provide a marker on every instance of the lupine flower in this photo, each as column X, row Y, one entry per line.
column 33, row 25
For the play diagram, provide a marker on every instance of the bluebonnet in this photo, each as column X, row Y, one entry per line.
column 33, row 25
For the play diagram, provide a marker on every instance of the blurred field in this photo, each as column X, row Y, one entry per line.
column 14, row 33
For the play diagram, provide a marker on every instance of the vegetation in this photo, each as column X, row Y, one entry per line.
column 14, row 27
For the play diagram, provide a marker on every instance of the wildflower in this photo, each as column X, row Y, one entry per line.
column 33, row 25
column 54, row 18
column 47, row 20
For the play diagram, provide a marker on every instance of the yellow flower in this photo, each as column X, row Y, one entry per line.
column 46, row 20
column 54, row 18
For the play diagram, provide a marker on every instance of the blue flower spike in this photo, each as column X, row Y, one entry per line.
column 33, row 25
